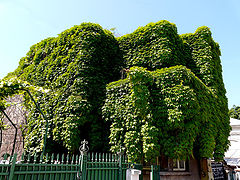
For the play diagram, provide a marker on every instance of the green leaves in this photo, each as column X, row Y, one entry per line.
column 166, row 111
column 76, row 66
column 234, row 112
column 154, row 46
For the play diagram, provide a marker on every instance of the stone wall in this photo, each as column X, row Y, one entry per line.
column 17, row 115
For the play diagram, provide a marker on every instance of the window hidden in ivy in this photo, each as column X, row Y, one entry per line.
column 179, row 165
column 170, row 165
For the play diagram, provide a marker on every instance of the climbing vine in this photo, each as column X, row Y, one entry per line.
column 168, row 111
column 183, row 109
column 154, row 46
column 76, row 66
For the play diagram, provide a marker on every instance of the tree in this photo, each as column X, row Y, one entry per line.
column 234, row 112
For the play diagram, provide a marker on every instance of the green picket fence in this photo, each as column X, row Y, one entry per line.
column 106, row 166
column 93, row 166
column 36, row 168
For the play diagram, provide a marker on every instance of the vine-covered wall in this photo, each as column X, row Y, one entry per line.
column 205, row 62
column 179, row 111
column 168, row 111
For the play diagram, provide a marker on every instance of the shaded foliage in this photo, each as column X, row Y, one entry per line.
column 76, row 66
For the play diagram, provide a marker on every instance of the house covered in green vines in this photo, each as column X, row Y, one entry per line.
column 156, row 95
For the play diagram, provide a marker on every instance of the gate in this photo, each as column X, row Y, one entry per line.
column 102, row 166
column 106, row 166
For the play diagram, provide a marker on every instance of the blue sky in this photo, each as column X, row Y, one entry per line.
column 26, row 22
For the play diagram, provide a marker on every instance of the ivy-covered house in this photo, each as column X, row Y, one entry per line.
column 172, row 105
column 156, row 95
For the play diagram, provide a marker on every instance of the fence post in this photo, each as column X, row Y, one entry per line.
column 120, row 167
column 120, row 163
column 155, row 172
column 83, row 166
column 11, row 174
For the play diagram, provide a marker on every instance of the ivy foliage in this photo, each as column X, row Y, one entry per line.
column 170, row 111
column 155, row 46
column 12, row 86
column 204, row 61
column 179, row 111
column 76, row 66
